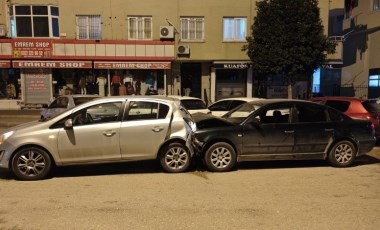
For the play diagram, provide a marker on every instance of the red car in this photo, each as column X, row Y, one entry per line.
column 356, row 108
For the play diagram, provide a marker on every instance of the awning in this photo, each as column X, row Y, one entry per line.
column 131, row 65
column 52, row 64
column 5, row 64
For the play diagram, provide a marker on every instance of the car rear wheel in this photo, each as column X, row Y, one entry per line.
column 220, row 157
column 31, row 164
column 175, row 158
column 342, row 154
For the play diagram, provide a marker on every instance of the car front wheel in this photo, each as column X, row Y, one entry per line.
column 220, row 157
column 31, row 164
column 342, row 154
column 175, row 158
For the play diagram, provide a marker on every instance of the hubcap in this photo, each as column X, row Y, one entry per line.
column 343, row 153
column 221, row 157
column 176, row 158
column 31, row 163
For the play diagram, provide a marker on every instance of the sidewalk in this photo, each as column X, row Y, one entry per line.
column 9, row 118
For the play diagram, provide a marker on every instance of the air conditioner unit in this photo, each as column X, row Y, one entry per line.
column 183, row 49
column 166, row 32
column 2, row 31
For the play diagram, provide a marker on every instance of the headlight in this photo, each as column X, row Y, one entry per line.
column 5, row 136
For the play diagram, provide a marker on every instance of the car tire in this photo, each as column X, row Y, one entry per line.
column 175, row 158
column 31, row 163
column 342, row 154
column 220, row 157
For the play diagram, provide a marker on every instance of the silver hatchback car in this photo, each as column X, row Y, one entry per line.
column 105, row 130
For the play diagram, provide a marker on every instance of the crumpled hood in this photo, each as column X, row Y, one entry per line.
column 203, row 121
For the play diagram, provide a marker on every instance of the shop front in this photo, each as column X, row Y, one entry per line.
column 232, row 79
column 34, row 71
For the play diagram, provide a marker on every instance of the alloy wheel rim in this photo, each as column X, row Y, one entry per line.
column 221, row 157
column 176, row 158
column 343, row 153
column 31, row 163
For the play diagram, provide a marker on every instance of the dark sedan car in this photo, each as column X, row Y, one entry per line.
column 281, row 129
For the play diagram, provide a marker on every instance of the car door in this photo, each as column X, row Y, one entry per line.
column 144, row 128
column 268, row 137
column 93, row 138
column 313, row 130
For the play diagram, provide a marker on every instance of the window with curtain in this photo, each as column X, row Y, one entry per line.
column 234, row 29
column 88, row 27
column 192, row 28
column 139, row 28
column 36, row 21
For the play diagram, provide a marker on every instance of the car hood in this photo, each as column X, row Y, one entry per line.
column 22, row 126
column 204, row 121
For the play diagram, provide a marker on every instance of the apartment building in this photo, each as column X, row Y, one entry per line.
column 46, row 47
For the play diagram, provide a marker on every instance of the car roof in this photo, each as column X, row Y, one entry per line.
column 241, row 99
column 80, row 95
column 338, row 98
column 183, row 97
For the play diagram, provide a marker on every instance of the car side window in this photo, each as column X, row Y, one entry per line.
column 310, row 113
column 220, row 106
column 101, row 113
column 275, row 115
column 143, row 110
column 338, row 105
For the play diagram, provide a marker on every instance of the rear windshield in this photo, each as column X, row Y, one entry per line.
column 193, row 104
column 81, row 100
column 371, row 106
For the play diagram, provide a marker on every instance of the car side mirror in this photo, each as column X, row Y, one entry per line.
column 255, row 122
column 68, row 124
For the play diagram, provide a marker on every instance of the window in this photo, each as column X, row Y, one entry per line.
column 101, row 113
column 376, row 4
column 140, row 28
column 234, row 29
column 374, row 81
column 143, row 110
column 192, row 29
column 89, row 27
column 36, row 21
column 311, row 113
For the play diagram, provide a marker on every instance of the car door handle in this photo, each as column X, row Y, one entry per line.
column 157, row 129
column 109, row 133
column 289, row 132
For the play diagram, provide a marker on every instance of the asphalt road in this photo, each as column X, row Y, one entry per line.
column 259, row 195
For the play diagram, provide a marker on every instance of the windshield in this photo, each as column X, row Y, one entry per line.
column 242, row 111
column 193, row 104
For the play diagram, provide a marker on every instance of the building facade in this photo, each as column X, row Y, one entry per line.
column 47, row 47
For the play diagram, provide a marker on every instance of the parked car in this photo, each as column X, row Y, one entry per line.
column 63, row 103
column 192, row 104
column 281, row 129
column 105, row 130
column 222, row 106
column 356, row 108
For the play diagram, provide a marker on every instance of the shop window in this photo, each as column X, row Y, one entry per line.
column 376, row 5
column 37, row 21
column 374, row 81
column 234, row 29
column 192, row 29
column 139, row 28
column 88, row 27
